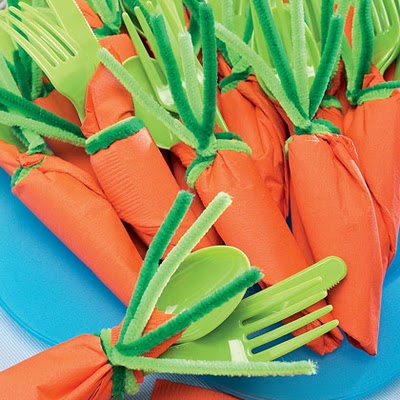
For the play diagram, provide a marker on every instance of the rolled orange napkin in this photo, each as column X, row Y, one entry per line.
column 72, row 205
column 129, row 166
column 249, row 113
column 336, row 212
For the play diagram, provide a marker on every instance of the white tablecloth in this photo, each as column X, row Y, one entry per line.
column 16, row 345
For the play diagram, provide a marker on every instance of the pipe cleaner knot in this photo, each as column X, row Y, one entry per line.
column 205, row 157
column 125, row 381
column 318, row 126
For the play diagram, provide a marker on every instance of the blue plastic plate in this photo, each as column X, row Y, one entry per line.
column 47, row 290
column 43, row 286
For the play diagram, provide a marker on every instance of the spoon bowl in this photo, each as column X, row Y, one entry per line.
column 201, row 274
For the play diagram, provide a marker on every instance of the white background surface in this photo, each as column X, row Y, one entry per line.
column 16, row 345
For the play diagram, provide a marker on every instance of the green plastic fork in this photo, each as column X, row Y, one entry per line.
column 248, row 331
column 397, row 70
column 161, row 134
column 386, row 22
column 67, row 56
column 232, row 14
column 7, row 46
column 312, row 11
column 72, row 20
column 191, row 69
column 281, row 15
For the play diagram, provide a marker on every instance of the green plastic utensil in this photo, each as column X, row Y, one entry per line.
column 386, row 22
column 397, row 70
column 281, row 15
column 190, row 68
column 67, row 56
column 7, row 46
column 201, row 274
column 312, row 11
column 161, row 135
column 72, row 20
column 232, row 14
column 245, row 335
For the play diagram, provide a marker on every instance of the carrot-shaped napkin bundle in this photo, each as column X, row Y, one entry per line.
column 71, row 204
column 252, row 115
column 373, row 124
column 249, row 113
column 221, row 162
column 113, row 363
column 129, row 166
column 332, row 208
column 65, row 198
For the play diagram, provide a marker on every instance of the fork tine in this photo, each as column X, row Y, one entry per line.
column 375, row 18
column 72, row 20
column 42, row 61
column 280, row 315
column 382, row 13
column 294, row 343
column 150, row 37
column 144, row 57
column 38, row 44
column 37, row 28
column 289, row 328
column 61, row 36
column 264, row 301
column 393, row 11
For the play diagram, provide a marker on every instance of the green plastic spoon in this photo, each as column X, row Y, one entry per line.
column 201, row 274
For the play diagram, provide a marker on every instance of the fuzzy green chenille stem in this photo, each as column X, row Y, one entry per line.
column 327, row 9
column 171, row 263
column 209, row 46
column 40, row 128
column 33, row 111
column 219, row 368
column 173, row 74
column 187, row 317
column 277, row 52
column 190, row 74
column 155, row 252
column 299, row 52
column 328, row 63
column 146, row 101
column 363, row 38
column 264, row 72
